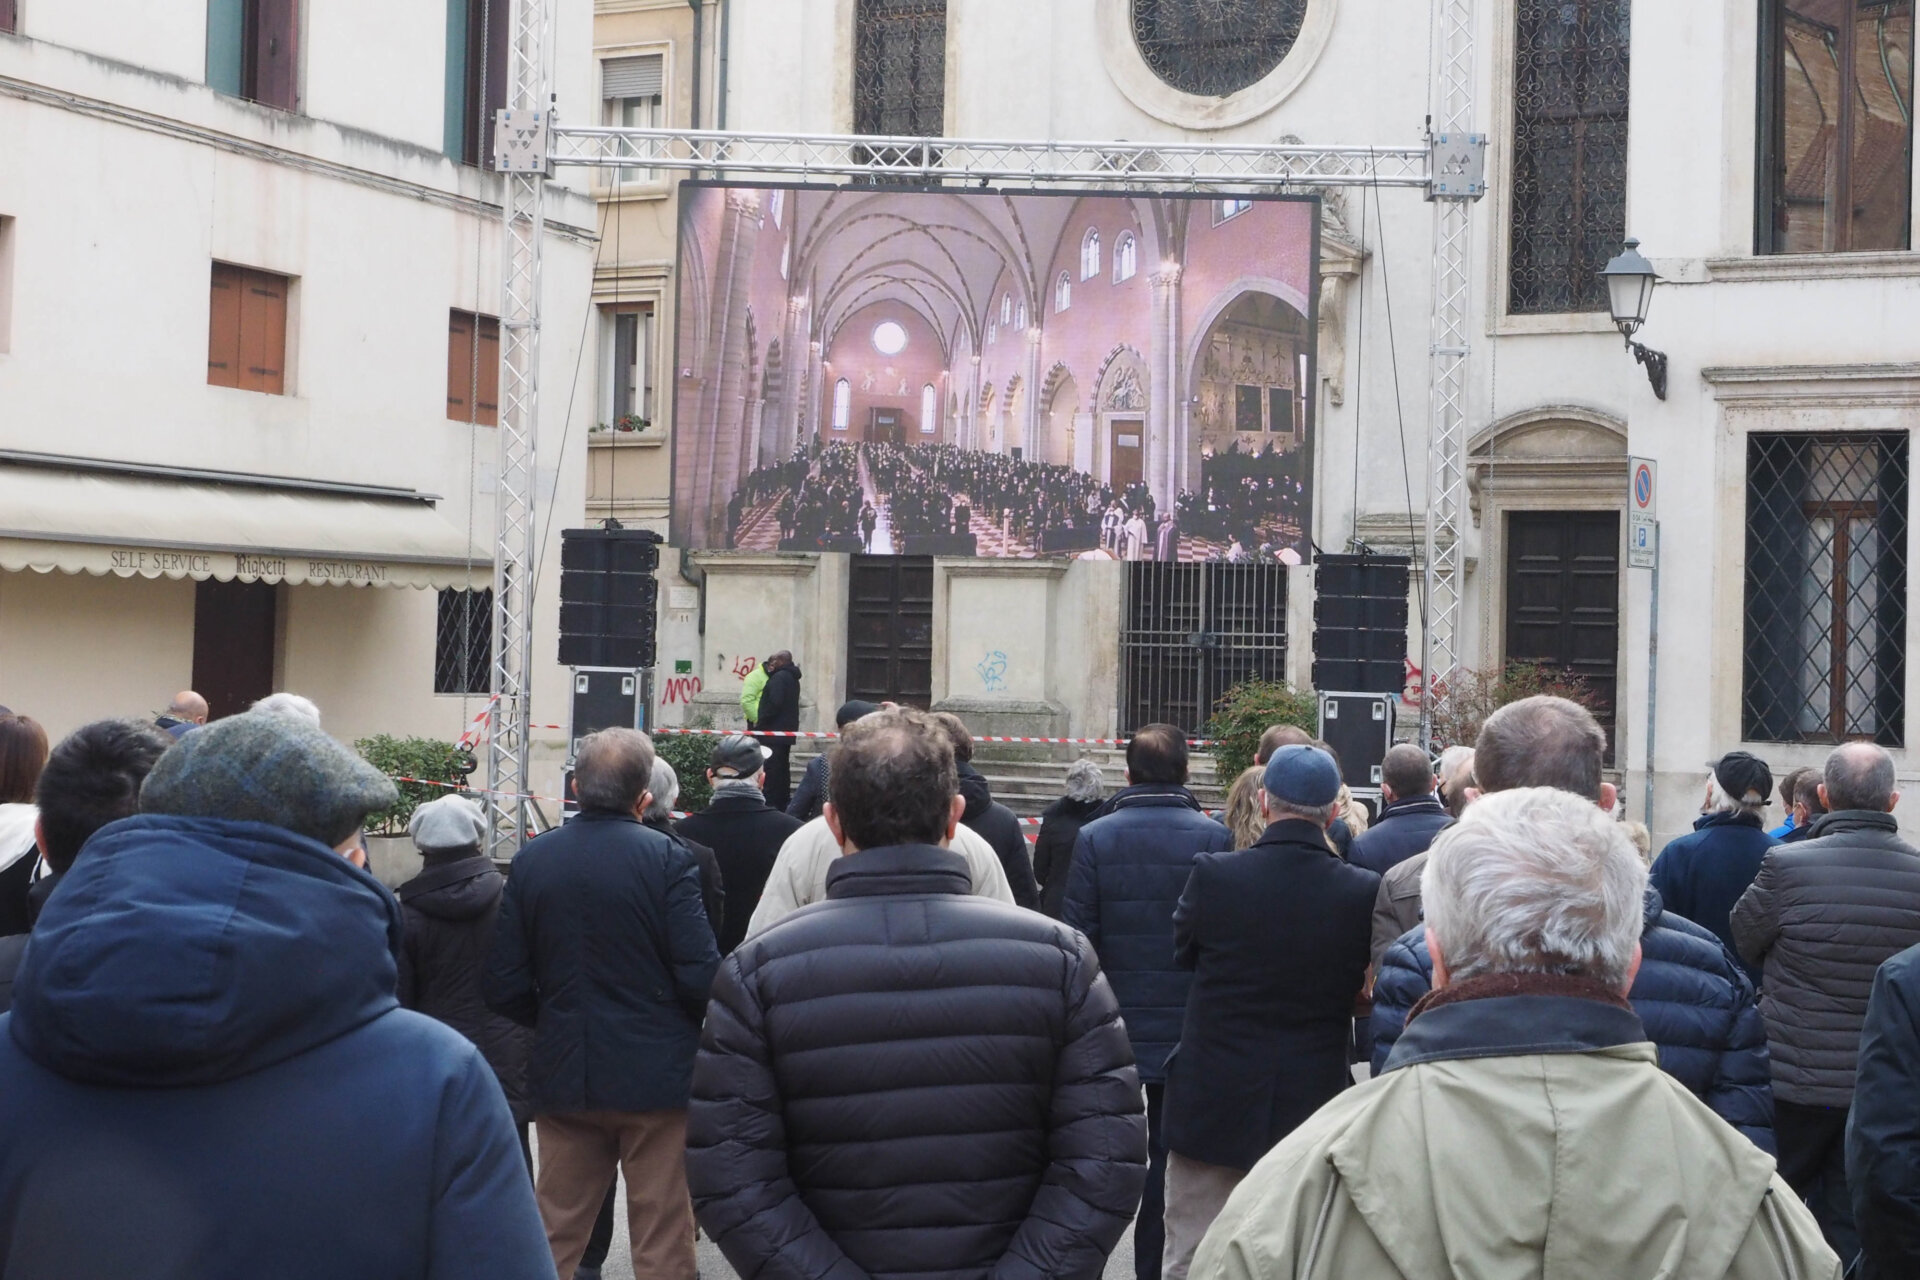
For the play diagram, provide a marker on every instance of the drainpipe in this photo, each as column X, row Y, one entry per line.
column 726, row 26
column 699, row 44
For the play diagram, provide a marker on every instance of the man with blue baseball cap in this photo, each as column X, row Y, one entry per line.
column 1277, row 937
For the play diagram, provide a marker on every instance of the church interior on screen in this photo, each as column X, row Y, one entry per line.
column 994, row 374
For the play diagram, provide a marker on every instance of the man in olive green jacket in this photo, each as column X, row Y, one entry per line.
column 1522, row 1127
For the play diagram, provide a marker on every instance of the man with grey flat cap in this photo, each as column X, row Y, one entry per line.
column 204, row 1034
column 1277, row 938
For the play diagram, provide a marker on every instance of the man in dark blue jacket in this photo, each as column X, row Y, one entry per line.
column 1692, row 996
column 1129, row 865
column 205, row 1038
column 1883, row 1131
column 1410, row 816
column 1277, row 938
column 604, row 948
column 1702, row 874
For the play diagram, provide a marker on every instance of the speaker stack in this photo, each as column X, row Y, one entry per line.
column 1360, row 623
column 609, row 597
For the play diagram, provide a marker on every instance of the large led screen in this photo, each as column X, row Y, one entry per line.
column 988, row 373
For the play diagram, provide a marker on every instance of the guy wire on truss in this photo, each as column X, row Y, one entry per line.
column 1449, row 167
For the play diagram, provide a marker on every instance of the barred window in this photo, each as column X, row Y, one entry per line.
column 463, row 642
column 1569, row 153
column 900, row 68
column 1215, row 47
column 1826, row 591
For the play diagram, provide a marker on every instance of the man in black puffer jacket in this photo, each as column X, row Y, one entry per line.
column 907, row 1080
column 1692, row 997
column 1820, row 919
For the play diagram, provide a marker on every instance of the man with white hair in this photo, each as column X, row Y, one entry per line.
column 1702, row 874
column 1522, row 1125
column 664, row 793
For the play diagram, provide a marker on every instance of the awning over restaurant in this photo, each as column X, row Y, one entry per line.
column 94, row 518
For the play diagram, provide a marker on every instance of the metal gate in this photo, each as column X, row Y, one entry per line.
column 1190, row 632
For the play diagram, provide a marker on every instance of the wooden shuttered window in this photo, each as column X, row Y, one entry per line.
column 473, row 368
column 9, row 15
column 247, row 330
column 253, row 50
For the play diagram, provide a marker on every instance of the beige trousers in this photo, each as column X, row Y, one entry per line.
column 579, row 1152
column 1196, row 1193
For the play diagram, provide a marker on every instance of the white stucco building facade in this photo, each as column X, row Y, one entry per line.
column 1791, row 319
column 249, row 277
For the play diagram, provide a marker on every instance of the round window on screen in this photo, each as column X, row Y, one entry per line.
column 889, row 339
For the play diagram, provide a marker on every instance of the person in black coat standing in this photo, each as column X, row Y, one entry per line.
column 1060, row 824
column 1277, row 937
column 1411, row 815
column 449, row 911
column 743, row 830
column 604, row 948
column 811, row 794
column 663, row 791
column 968, row 1107
column 1883, row 1136
column 988, row 819
column 780, row 710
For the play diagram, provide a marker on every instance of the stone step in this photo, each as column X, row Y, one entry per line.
column 1027, row 786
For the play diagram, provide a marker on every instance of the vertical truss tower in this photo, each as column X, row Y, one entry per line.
column 1458, row 178
column 516, row 498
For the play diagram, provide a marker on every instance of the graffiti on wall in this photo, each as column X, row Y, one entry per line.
column 993, row 671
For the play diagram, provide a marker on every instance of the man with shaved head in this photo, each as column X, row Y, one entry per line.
column 1819, row 919
column 187, row 712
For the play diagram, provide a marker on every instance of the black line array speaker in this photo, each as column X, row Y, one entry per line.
column 609, row 597
column 1360, row 623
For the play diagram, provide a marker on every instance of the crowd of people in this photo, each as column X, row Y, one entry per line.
column 1478, row 1035
column 1250, row 505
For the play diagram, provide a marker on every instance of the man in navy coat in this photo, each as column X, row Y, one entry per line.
column 1277, row 938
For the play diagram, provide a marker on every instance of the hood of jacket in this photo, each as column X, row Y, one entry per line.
column 464, row 889
column 1844, row 820
column 1489, row 1156
column 903, row 868
column 1729, row 819
column 188, row 951
column 975, row 791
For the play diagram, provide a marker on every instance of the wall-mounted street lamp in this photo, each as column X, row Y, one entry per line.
column 1630, row 280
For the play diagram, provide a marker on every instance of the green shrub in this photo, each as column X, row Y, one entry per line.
column 688, row 753
column 1472, row 696
column 1246, row 712
column 425, row 758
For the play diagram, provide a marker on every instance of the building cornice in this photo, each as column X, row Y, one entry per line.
column 1831, row 385
column 1816, row 266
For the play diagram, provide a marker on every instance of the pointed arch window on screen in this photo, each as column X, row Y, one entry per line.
column 1125, row 257
column 1020, row 318
column 1090, row 254
column 842, row 404
column 993, row 332
column 1062, row 293
column 928, row 408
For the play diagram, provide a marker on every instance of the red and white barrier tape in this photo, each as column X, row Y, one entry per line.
column 789, row 733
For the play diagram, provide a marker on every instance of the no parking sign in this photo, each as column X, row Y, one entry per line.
column 1643, row 528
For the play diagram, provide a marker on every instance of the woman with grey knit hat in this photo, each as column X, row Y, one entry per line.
column 449, row 910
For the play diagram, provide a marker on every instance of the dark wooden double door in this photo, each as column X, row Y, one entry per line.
column 1563, row 597
column 890, row 629
column 234, row 627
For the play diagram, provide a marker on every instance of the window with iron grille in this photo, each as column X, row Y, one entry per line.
column 1836, row 114
column 463, row 642
column 1215, row 47
column 1826, row 593
column 1569, row 153
column 1193, row 631
column 900, row 68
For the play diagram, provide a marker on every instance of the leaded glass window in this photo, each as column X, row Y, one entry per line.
column 900, row 68
column 1569, row 153
column 1826, row 590
column 1215, row 47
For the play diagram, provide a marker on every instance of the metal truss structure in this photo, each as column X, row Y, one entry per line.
column 1196, row 166
column 509, row 806
column 1453, row 81
column 1449, row 168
